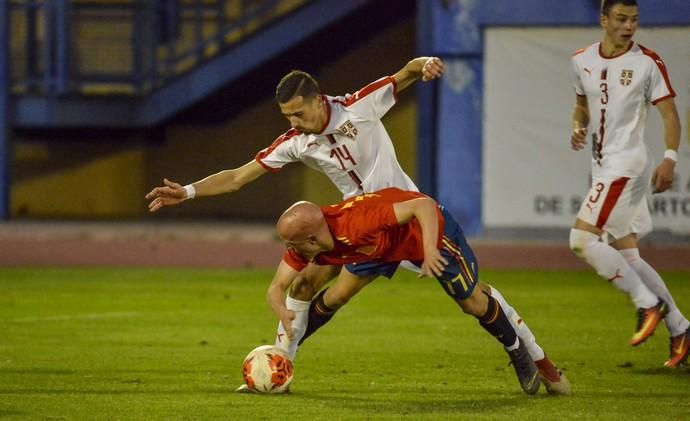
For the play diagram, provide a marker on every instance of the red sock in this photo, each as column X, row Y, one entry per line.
column 548, row 370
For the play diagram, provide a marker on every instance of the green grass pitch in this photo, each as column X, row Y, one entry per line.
column 145, row 344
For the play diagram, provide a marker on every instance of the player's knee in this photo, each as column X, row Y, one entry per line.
column 303, row 289
column 335, row 299
column 475, row 304
column 581, row 240
column 470, row 308
column 308, row 283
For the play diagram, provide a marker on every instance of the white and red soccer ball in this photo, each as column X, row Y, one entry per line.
column 267, row 369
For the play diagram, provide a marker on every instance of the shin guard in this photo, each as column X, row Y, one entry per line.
column 497, row 324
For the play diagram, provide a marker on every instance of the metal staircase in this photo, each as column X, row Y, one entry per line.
column 136, row 63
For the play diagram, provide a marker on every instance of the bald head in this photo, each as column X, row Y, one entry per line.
column 300, row 221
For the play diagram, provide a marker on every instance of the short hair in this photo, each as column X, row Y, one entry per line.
column 606, row 5
column 296, row 83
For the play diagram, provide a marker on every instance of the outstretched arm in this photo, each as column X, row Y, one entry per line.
column 425, row 68
column 425, row 210
column 663, row 176
column 275, row 295
column 226, row 181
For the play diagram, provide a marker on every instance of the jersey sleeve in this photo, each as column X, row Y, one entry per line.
column 281, row 152
column 295, row 260
column 374, row 100
column 660, row 84
column 577, row 78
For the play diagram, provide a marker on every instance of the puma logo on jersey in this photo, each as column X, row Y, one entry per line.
column 348, row 129
column 310, row 144
column 589, row 72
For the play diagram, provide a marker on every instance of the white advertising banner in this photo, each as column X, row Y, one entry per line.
column 531, row 177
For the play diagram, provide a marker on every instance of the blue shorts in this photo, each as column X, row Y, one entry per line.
column 459, row 277
column 386, row 269
column 461, row 274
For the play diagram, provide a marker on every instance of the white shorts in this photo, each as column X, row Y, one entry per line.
column 618, row 206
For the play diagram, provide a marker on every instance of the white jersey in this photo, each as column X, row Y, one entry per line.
column 619, row 90
column 353, row 150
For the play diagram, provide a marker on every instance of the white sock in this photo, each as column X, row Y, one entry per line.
column 524, row 333
column 611, row 266
column 299, row 326
column 675, row 322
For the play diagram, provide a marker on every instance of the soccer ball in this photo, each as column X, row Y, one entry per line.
column 267, row 369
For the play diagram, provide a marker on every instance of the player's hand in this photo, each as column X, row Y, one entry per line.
column 286, row 318
column 432, row 69
column 663, row 176
column 579, row 138
column 170, row 194
column 433, row 264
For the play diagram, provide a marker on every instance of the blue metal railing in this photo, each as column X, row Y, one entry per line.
column 130, row 47
column 5, row 155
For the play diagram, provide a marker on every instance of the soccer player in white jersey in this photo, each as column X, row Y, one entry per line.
column 615, row 81
column 343, row 137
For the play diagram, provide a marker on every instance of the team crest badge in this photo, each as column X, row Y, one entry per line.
column 348, row 129
column 626, row 77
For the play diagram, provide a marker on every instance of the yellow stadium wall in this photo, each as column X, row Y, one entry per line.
column 82, row 180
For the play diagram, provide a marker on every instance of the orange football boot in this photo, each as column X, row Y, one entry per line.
column 647, row 321
column 680, row 348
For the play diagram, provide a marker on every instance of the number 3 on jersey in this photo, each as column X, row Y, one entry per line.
column 599, row 189
column 598, row 143
column 605, row 91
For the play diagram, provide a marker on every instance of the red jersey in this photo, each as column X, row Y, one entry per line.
column 365, row 229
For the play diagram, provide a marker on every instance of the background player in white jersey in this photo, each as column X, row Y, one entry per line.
column 343, row 137
column 615, row 81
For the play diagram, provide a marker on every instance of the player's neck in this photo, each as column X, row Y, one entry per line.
column 611, row 49
column 323, row 115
